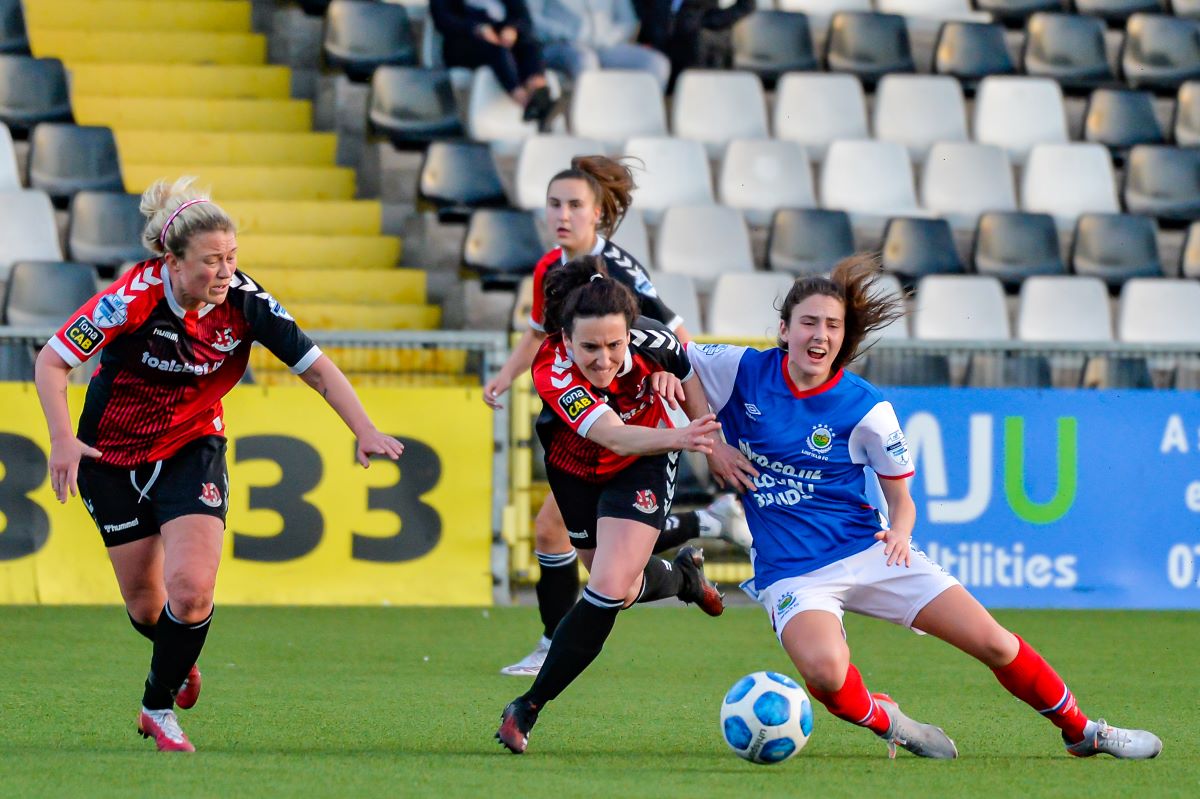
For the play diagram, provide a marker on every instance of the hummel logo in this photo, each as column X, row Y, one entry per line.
column 560, row 382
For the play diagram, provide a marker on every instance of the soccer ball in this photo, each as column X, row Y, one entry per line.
column 766, row 717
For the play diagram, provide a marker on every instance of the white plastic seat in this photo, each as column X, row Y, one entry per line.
column 870, row 180
column 541, row 158
column 815, row 109
column 715, row 107
column 676, row 173
column 1159, row 311
column 962, row 180
column 704, row 241
column 27, row 229
column 633, row 237
column 1017, row 112
column 9, row 179
column 933, row 9
column 960, row 307
column 1066, row 180
column 888, row 284
column 613, row 105
column 745, row 304
column 820, row 12
column 493, row 116
column 1064, row 308
column 759, row 176
column 919, row 110
column 678, row 291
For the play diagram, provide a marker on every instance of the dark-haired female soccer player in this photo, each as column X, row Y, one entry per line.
column 174, row 337
column 607, row 379
column 820, row 549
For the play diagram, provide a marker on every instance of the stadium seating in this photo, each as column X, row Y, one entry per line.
column 970, row 51
column 1014, row 13
column 1160, row 52
column 542, row 157
column 1186, row 125
column 27, row 229
column 913, row 248
column 918, row 111
column 677, row 173
column 678, row 291
column 1116, row 12
column 1115, row 248
column 1159, row 311
column 1014, row 247
column 961, row 180
column 10, row 180
column 43, row 293
column 613, row 105
column 633, row 237
column 458, row 177
column 890, row 284
column 997, row 370
column 1017, row 112
column 913, row 369
column 502, row 245
column 361, row 35
column 771, row 43
column 868, row 45
column 1121, row 118
column 106, row 228
column 413, row 105
column 1068, row 48
column 960, row 307
column 820, row 12
column 493, row 116
column 13, row 38
column 815, row 110
column 703, row 241
column 742, row 304
column 1163, row 182
column 1066, row 180
column 930, row 10
column 759, row 176
column 1064, row 308
column 314, row 8
column 872, row 180
column 64, row 159
column 32, row 90
column 715, row 107
column 806, row 241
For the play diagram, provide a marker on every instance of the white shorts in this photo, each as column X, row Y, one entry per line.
column 861, row 583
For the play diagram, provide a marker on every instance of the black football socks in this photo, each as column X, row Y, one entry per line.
column 557, row 588
column 576, row 643
column 146, row 630
column 660, row 580
column 177, row 647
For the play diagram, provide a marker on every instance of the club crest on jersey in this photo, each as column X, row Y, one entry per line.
column 225, row 342
column 575, row 403
column 785, row 602
column 645, row 501
column 110, row 311
column 820, row 440
column 85, row 335
column 897, row 448
column 210, row 495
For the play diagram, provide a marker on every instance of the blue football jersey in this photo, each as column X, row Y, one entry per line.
column 812, row 448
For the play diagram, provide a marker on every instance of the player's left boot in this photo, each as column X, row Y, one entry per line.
column 163, row 727
column 727, row 509
column 1101, row 739
column 516, row 721
column 923, row 740
column 696, row 587
column 531, row 664
column 189, row 692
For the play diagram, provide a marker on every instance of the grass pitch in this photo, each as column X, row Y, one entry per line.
column 356, row 702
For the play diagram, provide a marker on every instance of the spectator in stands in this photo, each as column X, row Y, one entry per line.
column 692, row 33
column 578, row 35
column 498, row 34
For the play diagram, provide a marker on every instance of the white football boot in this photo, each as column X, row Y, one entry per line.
column 923, row 740
column 727, row 509
column 1101, row 739
column 531, row 664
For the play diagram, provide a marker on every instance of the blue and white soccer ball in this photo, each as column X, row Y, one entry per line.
column 766, row 717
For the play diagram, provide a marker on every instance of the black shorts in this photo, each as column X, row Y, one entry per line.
column 131, row 504
column 642, row 492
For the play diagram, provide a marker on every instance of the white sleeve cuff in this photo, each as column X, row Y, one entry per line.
column 64, row 351
column 675, row 323
column 537, row 326
column 308, row 360
column 591, row 418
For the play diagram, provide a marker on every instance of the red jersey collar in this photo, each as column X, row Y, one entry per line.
column 800, row 393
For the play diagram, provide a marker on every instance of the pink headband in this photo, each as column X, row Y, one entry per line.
column 162, row 237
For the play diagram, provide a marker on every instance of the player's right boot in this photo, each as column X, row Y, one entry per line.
column 163, row 727
column 923, row 740
column 189, row 692
column 1101, row 739
column 728, row 510
column 696, row 587
column 531, row 664
column 516, row 721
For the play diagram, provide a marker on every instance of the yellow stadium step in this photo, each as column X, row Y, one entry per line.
column 333, row 316
column 319, row 252
column 346, row 218
column 164, row 47
column 228, row 16
column 368, row 286
column 395, row 360
column 250, row 183
column 376, row 379
column 218, row 116
column 227, row 149
column 181, row 80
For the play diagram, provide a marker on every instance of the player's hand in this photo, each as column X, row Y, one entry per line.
column 508, row 36
column 494, row 388
column 667, row 386
column 65, row 455
column 377, row 443
column 700, row 435
column 731, row 468
column 899, row 547
column 488, row 34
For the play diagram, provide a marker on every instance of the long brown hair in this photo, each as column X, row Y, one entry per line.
column 582, row 287
column 611, row 182
column 854, row 281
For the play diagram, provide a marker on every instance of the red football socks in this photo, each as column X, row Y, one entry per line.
column 1032, row 680
column 853, row 703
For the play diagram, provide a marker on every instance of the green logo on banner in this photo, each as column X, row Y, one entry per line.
column 1066, row 479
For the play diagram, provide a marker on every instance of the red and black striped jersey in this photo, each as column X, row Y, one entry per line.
column 163, row 370
column 571, row 404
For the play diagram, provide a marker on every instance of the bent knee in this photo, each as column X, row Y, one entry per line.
column 190, row 599
column 998, row 648
column 825, row 672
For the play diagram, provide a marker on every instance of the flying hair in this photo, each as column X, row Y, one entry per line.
column 582, row 288
column 612, row 185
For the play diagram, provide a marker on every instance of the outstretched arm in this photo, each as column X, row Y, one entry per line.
column 629, row 439
column 519, row 361
column 50, row 378
column 327, row 380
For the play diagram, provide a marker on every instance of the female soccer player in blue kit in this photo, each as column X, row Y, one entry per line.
column 803, row 430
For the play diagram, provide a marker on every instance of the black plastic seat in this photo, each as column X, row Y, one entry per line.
column 1121, row 118
column 1116, row 12
column 770, row 43
column 970, row 51
column 13, row 36
column 413, row 105
column 868, row 45
column 42, row 293
column 1185, row 126
column 32, row 90
column 314, row 8
column 1115, row 247
column 1163, row 182
column 460, row 176
column 1068, row 48
column 913, row 248
column 1014, row 13
column 1160, row 52
column 502, row 245
column 1121, row 372
column 808, row 241
column 361, row 35
column 106, row 228
column 1000, row 370
column 65, row 159
column 907, row 369
column 1014, row 245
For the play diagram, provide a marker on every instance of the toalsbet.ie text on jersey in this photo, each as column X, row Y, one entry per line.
column 811, row 449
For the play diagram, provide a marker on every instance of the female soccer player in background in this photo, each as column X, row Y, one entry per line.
column 174, row 335
column 605, row 377
column 584, row 206
column 803, row 430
